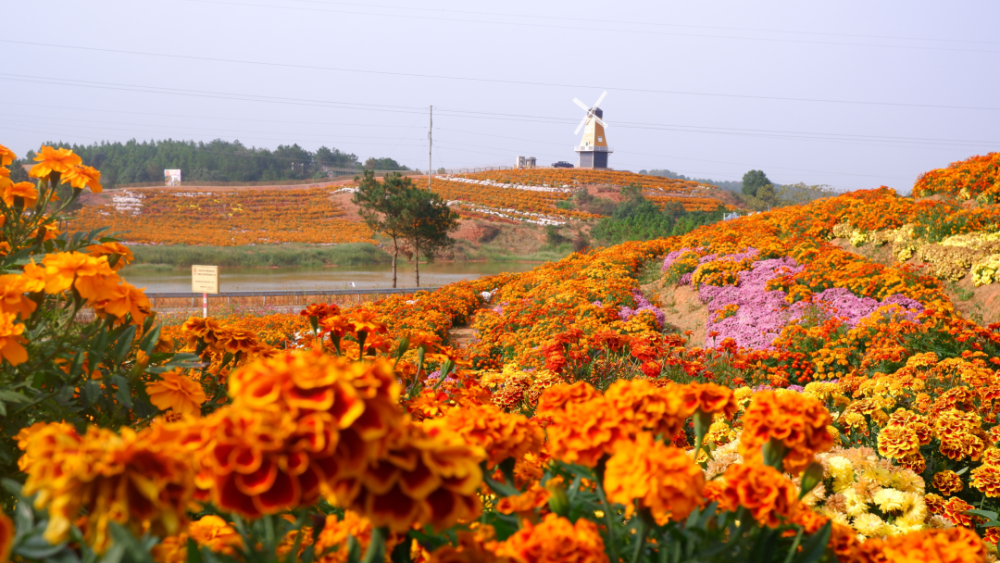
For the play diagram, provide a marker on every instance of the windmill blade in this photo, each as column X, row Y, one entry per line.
column 582, row 105
column 601, row 122
column 601, row 99
column 582, row 123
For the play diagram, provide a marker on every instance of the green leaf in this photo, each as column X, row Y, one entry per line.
column 91, row 391
column 124, row 344
column 984, row 513
column 149, row 340
column 814, row 548
column 123, row 394
column 193, row 552
column 37, row 547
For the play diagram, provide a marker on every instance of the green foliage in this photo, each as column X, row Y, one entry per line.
column 384, row 164
column 215, row 161
column 258, row 256
column 383, row 206
column 796, row 194
column 553, row 237
column 427, row 222
column 640, row 219
column 753, row 181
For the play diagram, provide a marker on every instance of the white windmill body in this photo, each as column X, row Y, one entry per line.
column 593, row 148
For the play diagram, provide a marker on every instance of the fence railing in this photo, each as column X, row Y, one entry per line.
column 275, row 298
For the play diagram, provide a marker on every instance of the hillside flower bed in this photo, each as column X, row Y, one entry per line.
column 841, row 410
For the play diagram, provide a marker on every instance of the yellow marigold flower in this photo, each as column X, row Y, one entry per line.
column 26, row 191
column 426, row 475
column 555, row 540
column 83, row 177
column 53, row 160
column 6, row 525
column 796, row 421
column 948, row 482
column 664, row 479
column 954, row 545
column 133, row 478
column 11, row 341
column 7, row 156
column 502, row 435
column 761, row 489
column 111, row 249
column 178, row 392
column 897, row 442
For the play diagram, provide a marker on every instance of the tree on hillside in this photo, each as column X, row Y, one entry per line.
column 333, row 158
column 382, row 206
column 753, row 181
column 383, row 164
column 427, row 223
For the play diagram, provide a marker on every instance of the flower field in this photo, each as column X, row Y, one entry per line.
column 222, row 217
column 232, row 217
column 841, row 409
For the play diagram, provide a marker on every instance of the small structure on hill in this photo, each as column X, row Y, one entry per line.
column 593, row 148
column 525, row 162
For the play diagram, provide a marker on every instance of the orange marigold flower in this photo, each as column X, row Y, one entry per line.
column 798, row 422
column 83, row 177
column 954, row 545
column 7, row 156
column 332, row 545
column 133, row 478
column 427, row 474
column 473, row 547
column 210, row 531
column 555, row 398
column 555, row 540
column 664, row 479
column 502, row 435
column 761, row 489
column 111, row 249
column 53, row 160
column 584, row 432
column 123, row 299
column 298, row 421
column 202, row 329
column 11, row 341
column 6, row 526
column 12, row 298
column 643, row 406
column 985, row 478
column 534, row 498
column 948, row 482
column 898, row 442
column 710, row 398
column 26, row 191
column 955, row 509
column 92, row 275
column 363, row 320
column 178, row 392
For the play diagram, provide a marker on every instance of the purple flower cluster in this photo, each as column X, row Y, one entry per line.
column 763, row 313
column 669, row 259
column 643, row 304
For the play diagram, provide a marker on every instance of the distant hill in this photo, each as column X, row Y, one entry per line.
column 724, row 184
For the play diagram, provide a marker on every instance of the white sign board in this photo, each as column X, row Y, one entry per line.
column 172, row 177
column 204, row 279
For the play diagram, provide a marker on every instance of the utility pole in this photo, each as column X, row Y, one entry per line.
column 430, row 149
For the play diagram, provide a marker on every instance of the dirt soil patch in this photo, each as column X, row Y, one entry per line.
column 682, row 309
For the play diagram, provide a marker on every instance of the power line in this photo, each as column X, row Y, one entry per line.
column 646, row 23
column 485, row 80
column 598, row 29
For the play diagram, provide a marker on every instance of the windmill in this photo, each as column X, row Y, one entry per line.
column 593, row 148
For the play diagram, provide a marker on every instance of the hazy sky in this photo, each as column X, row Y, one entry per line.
column 850, row 93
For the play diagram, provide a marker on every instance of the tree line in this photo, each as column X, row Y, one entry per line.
column 417, row 221
column 214, row 161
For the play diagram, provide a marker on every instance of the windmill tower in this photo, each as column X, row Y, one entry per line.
column 593, row 148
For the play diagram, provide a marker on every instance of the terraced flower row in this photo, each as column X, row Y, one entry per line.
column 223, row 217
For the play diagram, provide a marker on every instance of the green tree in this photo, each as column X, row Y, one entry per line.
column 382, row 206
column 795, row 194
column 753, row 181
column 383, row 164
column 427, row 223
